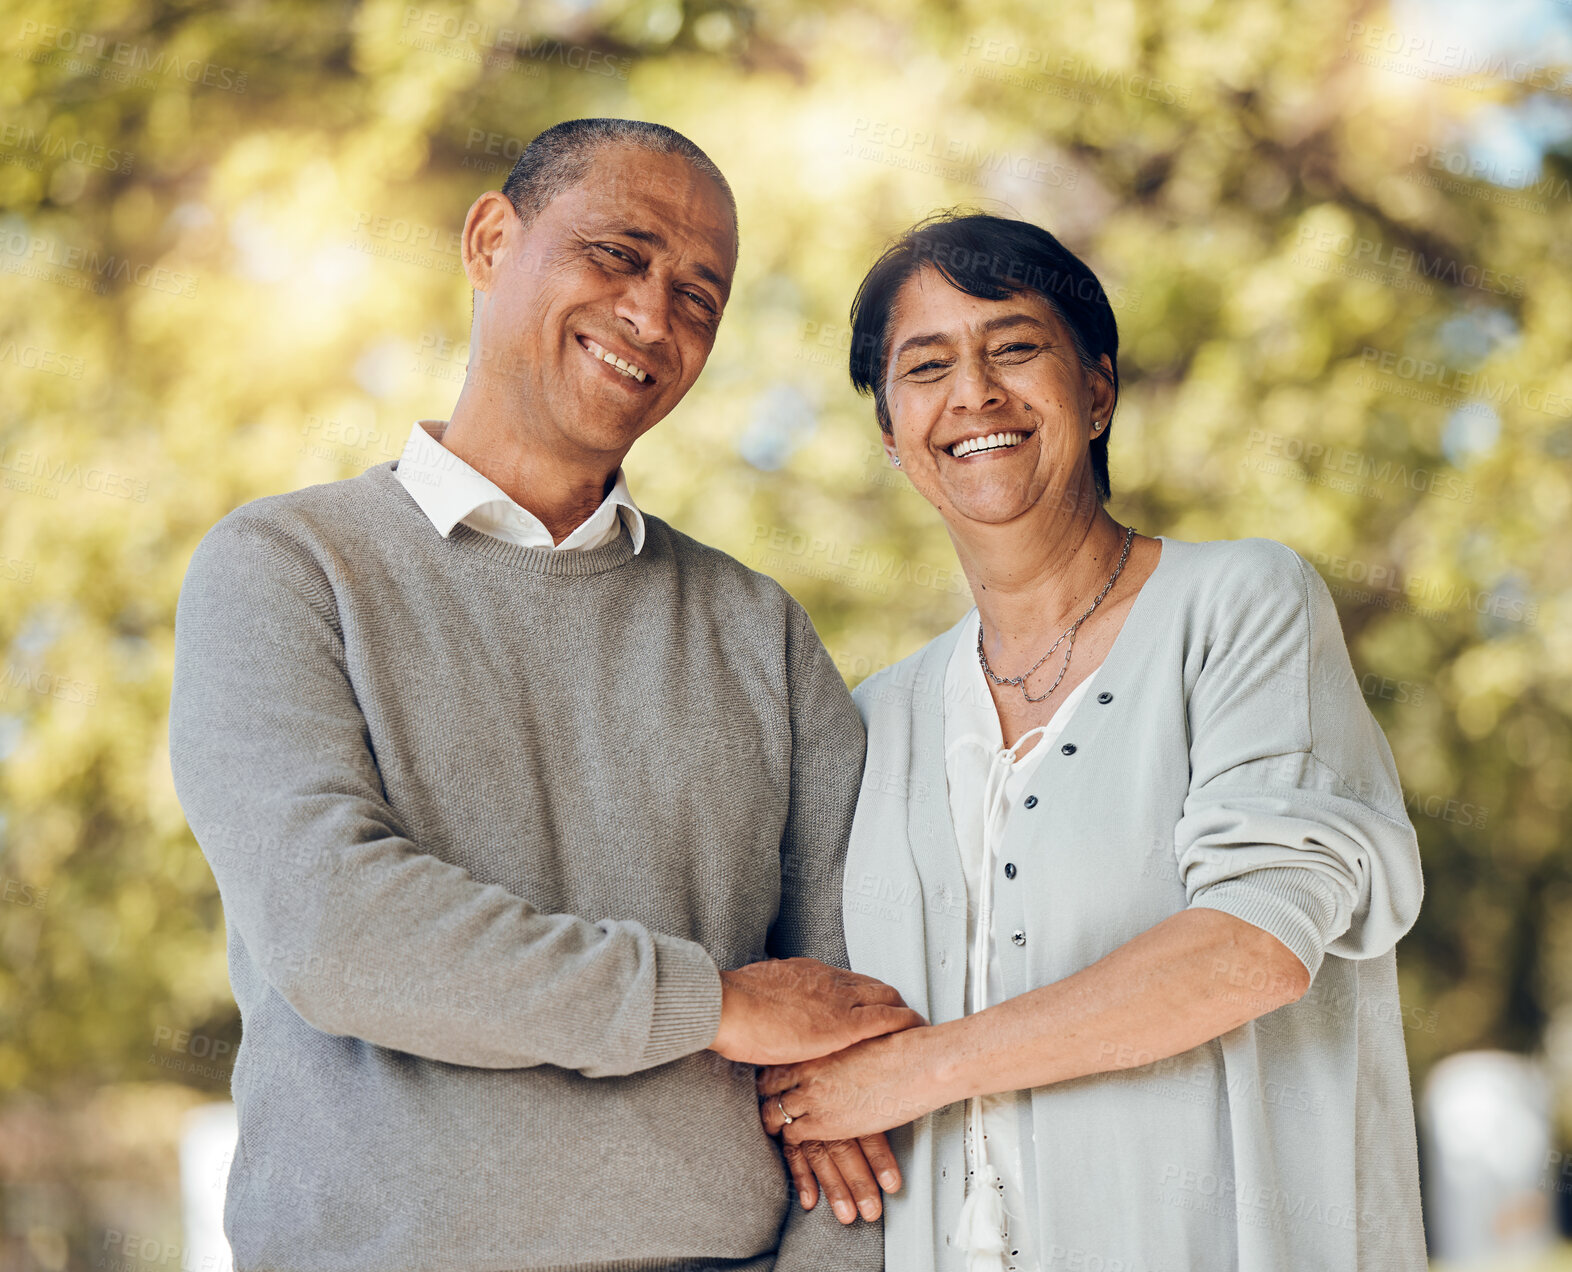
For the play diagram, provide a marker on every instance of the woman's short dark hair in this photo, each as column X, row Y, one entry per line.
column 990, row 257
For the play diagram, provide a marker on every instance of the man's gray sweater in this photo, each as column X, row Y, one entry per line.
column 485, row 821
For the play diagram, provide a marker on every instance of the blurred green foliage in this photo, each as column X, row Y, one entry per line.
column 229, row 235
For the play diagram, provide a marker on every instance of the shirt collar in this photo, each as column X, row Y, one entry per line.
column 449, row 491
column 632, row 517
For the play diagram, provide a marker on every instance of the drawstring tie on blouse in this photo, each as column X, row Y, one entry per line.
column 980, row 1230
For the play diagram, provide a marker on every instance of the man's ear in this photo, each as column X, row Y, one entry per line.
column 485, row 226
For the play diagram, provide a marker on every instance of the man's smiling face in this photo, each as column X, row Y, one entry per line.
column 631, row 266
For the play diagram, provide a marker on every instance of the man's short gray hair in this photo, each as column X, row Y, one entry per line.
column 560, row 158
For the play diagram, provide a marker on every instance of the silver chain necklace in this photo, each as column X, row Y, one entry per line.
column 1020, row 681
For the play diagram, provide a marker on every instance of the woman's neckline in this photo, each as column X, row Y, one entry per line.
column 972, row 682
column 1119, row 642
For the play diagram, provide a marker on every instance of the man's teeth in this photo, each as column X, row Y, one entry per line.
column 994, row 441
column 627, row 368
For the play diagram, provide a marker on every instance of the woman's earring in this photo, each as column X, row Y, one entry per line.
column 896, row 460
column 1096, row 427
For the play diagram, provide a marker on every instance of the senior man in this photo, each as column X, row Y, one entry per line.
column 528, row 812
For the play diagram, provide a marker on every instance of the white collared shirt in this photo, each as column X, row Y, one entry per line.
column 450, row 491
column 973, row 741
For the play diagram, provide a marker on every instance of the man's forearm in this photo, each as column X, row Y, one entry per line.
column 379, row 941
column 441, row 967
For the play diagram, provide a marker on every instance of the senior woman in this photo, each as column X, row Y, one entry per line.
column 1129, row 838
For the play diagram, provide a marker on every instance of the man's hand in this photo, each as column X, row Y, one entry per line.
column 785, row 1010
column 846, row 1169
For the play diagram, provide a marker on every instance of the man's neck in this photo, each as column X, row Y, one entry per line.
column 562, row 492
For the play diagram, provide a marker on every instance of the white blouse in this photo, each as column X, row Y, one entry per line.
column 978, row 769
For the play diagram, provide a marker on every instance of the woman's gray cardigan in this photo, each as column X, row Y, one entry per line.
column 1228, row 760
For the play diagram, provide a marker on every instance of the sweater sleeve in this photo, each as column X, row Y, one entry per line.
column 1294, row 820
column 828, row 742
column 361, row 932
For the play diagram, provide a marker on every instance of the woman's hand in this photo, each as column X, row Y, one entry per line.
column 859, row 1091
column 846, row 1169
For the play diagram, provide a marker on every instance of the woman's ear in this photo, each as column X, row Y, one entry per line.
column 889, row 449
column 1103, row 398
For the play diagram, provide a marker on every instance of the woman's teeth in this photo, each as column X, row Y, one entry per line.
column 627, row 368
column 994, row 441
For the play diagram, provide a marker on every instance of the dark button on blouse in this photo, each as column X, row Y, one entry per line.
column 1105, row 697
column 1009, row 870
column 1068, row 748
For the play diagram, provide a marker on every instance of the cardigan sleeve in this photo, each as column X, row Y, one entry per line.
column 1294, row 820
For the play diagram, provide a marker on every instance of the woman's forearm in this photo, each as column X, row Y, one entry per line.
column 1182, row 982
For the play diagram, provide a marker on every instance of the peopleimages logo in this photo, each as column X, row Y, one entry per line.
column 1476, row 386
column 892, row 143
column 853, row 564
column 26, row 464
column 1426, row 56
column 1358, row 250
column 34, row 256
column 1352, row 463
column 84, row 51
column 80, row 150
column 1373, row 579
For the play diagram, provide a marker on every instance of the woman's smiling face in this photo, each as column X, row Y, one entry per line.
column 990, row 408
